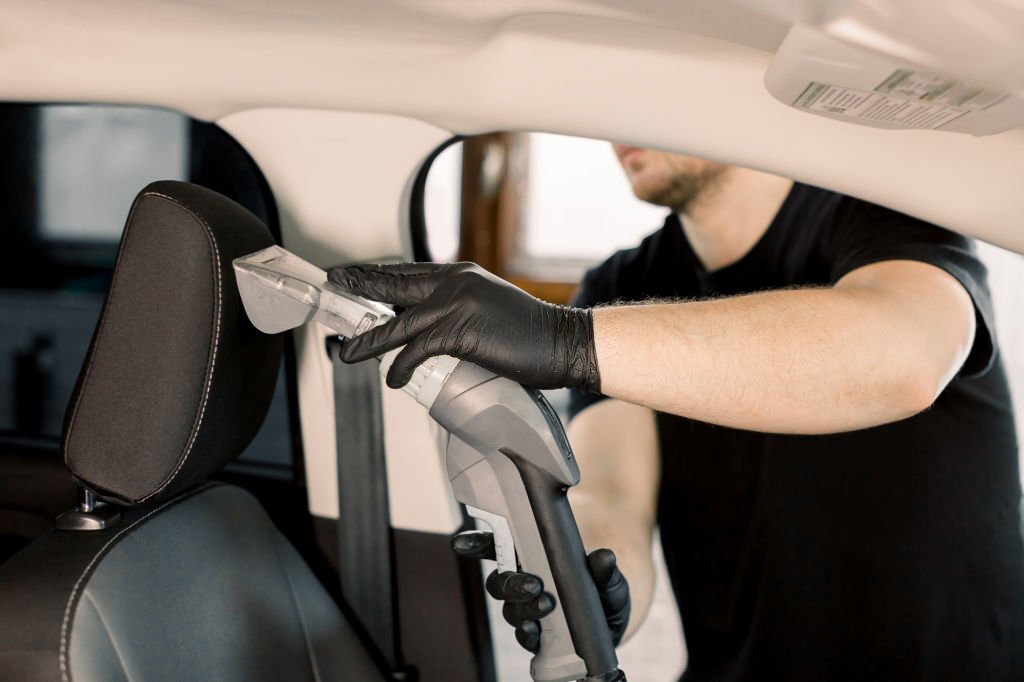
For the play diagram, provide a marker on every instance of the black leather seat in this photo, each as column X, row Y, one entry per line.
column 189, row 580
column 35, row 487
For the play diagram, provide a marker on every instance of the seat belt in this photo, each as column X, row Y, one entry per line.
column 372, row 556
column 365, row 558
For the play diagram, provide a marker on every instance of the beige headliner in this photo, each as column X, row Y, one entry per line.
column 680, row 75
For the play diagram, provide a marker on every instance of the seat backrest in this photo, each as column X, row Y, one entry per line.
column 192, row 580
column 35, row 487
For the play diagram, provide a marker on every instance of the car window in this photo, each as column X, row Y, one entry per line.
column 67, row 179
column 549, row 205
column 578, row 207
column 441, row 204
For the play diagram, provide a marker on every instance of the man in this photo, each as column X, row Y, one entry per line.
column 805, row 396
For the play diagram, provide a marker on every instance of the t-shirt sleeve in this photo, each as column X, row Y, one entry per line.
column 866, row 233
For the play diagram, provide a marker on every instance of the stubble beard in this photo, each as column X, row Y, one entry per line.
column 685, row 187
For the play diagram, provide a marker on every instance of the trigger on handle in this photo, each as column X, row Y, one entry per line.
column 504, row 545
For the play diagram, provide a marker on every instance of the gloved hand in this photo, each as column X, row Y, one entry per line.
column 525, row 599
column 464, row 311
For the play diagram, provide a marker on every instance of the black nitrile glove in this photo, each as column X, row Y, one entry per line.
column 464, row 311
column 525, row 599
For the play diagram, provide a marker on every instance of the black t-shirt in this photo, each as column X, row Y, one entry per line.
column 890, row 553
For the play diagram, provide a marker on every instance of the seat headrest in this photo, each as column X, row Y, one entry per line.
column 176, row 381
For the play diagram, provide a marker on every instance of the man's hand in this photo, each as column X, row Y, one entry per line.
column 465, row 311
column 526, row 601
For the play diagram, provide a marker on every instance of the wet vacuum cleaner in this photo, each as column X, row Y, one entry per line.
column 507, row 458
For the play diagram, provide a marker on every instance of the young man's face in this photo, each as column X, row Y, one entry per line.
column 671, row 180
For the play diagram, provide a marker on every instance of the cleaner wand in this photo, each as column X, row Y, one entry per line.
column 507, row 458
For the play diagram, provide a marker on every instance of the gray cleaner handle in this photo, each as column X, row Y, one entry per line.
column 567, row 560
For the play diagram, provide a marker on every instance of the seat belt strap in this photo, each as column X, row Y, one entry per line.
column 365, row 557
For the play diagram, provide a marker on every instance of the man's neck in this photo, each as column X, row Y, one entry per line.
column 725, row 222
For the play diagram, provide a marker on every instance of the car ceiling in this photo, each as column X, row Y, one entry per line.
column 675, row 74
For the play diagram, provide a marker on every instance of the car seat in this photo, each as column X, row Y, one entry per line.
column 35, row 487
column 161, row 574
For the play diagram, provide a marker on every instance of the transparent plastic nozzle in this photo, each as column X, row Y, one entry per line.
column 280, row 291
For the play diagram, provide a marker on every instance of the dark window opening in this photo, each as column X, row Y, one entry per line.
column 67, row 179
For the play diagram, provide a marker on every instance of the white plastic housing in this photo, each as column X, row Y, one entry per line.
column 824, row 75
column 427, row 380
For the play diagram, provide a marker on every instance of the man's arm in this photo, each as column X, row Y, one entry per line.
column 877, row 347
column 615, row 502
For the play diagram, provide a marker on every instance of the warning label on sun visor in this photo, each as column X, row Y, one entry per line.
column 875, row 106
column 938, row 90
column 906, row 98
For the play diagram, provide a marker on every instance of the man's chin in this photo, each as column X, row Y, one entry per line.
column 643, row 185
column 676, row 192
column 653, row 194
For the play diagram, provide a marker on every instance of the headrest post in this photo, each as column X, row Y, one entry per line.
column 90, row 514
column 86, row 499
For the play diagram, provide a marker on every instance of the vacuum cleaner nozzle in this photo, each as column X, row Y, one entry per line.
column 280, row 291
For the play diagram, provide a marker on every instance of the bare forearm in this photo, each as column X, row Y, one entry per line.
column 616, row 445
column 602, row 525
column 797, row 361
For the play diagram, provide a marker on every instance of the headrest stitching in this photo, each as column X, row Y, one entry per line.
column 216, row 340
